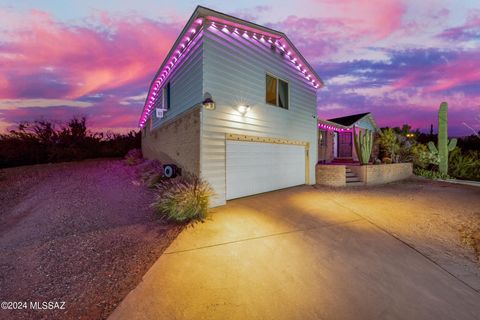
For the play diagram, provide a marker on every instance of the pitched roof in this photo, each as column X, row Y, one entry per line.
column 350, row 120
column 216, row 19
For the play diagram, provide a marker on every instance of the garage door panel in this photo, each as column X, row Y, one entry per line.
column 254, row 167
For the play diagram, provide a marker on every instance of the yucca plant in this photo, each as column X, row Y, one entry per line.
column 183, row 199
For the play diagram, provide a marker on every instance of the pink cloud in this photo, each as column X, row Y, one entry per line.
column 84, row 59
column 375, row 18
column 348, row 26
column 464, row 70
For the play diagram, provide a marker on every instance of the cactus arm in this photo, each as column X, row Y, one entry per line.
column 452, row 144
column 432, row 147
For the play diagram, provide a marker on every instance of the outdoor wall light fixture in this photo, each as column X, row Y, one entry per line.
column 209, row 104
column 242, row 109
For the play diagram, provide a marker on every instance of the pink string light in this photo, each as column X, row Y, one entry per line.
column 199, row 21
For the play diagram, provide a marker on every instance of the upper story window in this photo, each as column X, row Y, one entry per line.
column 166, row 95
column 276, row 92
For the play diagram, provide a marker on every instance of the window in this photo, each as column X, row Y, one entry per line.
column 271, row 90
column 276, row 92
column 167, row 97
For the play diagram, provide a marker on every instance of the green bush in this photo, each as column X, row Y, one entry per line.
column 389, row 144
column 387, row 160
column 422, row 157
column 430, row 174
column 464, row 165
column 183, row 199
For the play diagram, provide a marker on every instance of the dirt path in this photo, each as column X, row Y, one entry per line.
column 82, row 233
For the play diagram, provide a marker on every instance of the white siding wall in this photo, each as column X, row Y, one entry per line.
column 185, row 85
column 234, row 74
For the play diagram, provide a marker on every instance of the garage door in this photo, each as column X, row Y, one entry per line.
column 255, row 167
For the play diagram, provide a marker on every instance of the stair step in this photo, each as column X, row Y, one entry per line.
column 354, row 184
column 354, row 178
column 350, row 174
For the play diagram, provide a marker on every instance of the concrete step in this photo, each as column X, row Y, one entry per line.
column 350, row 174
column 355, row 184
column 353, row 179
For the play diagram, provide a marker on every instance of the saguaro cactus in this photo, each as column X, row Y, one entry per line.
column 443, row 144
column 363, row 145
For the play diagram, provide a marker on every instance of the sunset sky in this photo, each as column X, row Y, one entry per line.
column 396, row 59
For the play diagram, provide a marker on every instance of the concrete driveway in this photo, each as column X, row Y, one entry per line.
column 294, row 254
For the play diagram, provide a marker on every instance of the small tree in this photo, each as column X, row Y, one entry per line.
column 389, row 143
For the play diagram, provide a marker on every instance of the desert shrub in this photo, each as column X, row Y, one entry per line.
column 387, row 160
column 389, row 144
column 183, row 199
column 430, row 174
column 49, row 141
column 422, row 157
column 151, row 172
column 133, row 157
column 464, row 165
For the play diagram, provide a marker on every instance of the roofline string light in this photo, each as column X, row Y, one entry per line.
column 181, row 49
column 271, row 41
column 333, row 128
column 264, row 38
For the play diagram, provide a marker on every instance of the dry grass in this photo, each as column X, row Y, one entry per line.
column 470, row 238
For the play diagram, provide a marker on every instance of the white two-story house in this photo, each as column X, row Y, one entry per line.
column 234, row 103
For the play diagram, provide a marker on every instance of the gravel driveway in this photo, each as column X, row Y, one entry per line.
column 80, row 233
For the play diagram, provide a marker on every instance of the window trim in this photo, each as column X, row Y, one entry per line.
column 278, row 86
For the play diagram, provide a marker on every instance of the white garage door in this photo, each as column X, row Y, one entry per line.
column 255, row 167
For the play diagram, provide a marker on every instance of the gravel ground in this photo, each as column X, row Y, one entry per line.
column 441, row 220
column 79, row 232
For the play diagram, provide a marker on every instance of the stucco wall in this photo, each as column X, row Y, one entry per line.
column 176, row 141
column 330, row 175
